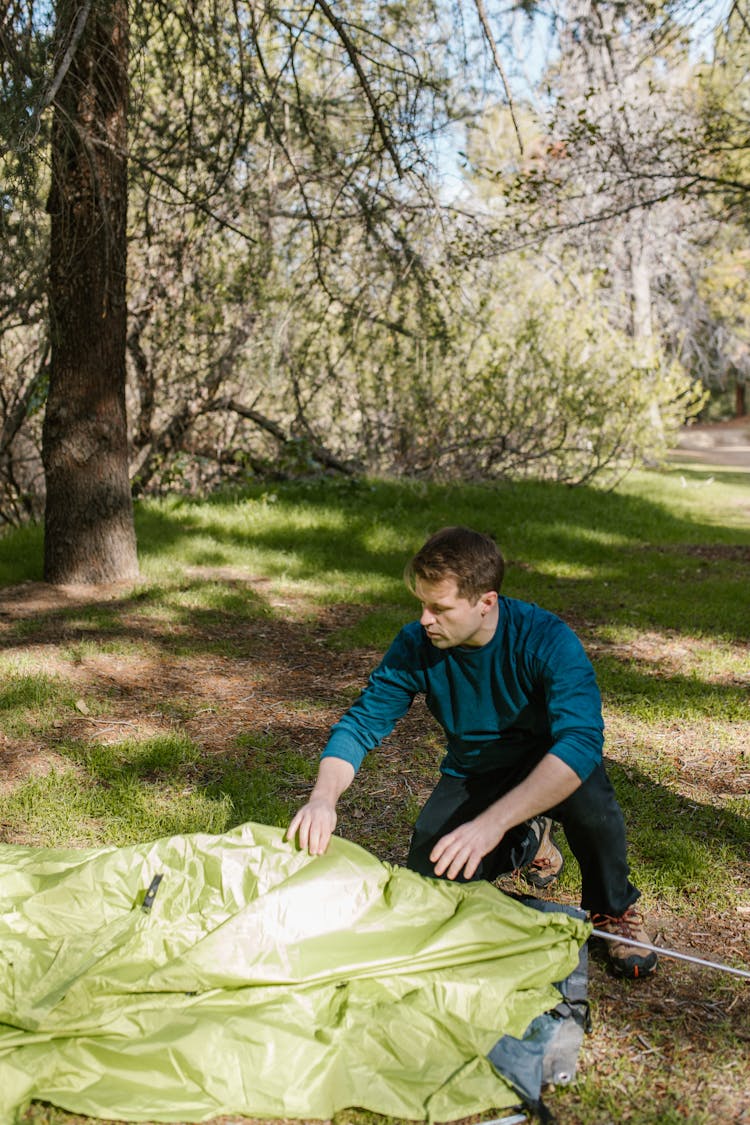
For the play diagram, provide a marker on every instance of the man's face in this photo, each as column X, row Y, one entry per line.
column 449, row 619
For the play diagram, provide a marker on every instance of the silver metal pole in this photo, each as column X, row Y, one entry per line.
column 671, row 953
column 515, row 1119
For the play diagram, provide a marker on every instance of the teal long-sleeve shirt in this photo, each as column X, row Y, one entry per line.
column 529, row 690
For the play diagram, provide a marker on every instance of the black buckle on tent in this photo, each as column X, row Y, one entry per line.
column 148, row 901
column 579, row 1010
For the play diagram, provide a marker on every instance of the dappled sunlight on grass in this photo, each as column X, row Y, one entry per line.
column 716, row 497
column 678, row 843
column 32, row 701
column 131, row 790
column 350, row 543
column 648, row 694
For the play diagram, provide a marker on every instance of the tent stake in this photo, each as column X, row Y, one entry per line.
column 670, row 953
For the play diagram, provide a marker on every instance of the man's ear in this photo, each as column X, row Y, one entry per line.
column 488, row 600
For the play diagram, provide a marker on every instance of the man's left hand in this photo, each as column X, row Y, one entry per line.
column 465, row 847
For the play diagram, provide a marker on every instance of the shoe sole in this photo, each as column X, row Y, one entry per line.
column 633, row 972
column 543, row 881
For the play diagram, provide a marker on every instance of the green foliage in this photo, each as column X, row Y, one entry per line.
column 720, row 348
column 556, row 390
column 725, row 111
column 632, row 163
column 250, row 298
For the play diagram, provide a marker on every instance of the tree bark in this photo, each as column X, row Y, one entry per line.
column 641, row 313
column 89, row 533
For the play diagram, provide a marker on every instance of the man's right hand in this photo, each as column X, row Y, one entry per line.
column 314, row 824
column 316, row 820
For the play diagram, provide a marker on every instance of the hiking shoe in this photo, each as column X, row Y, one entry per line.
column 626, row 960
column 548, row 862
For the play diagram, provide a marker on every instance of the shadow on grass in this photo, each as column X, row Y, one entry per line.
column 680, row 1013
column 669, row 1050
column 647, row 692
column 184, row 617
column 595, row 558
column 583, row 551
column 168, row 784
column 239, row 624
column 682, row 848
column 601, row 558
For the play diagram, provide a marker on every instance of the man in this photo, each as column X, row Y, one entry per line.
column 517, row 698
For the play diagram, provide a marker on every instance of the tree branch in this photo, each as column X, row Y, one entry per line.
column 487, row 30
column 319, row 452
column 78, row 29
column 18, row 411
column 353, row 54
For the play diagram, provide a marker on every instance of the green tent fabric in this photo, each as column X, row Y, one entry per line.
column 262, row 981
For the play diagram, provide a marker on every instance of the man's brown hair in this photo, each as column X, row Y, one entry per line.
column 472, row 559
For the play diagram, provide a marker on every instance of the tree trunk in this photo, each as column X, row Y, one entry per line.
column 89, row 534
column 641, row 323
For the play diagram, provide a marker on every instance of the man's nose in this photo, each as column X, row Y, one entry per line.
column 427, row 618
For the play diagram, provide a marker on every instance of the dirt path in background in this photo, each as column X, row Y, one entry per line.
column 717, row 444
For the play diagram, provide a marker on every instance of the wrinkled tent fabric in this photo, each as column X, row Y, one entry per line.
column 262, row 981
column 548, row 1050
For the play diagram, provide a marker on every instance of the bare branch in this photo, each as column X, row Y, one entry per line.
column 319, row 452
column 353, row 54
column 78, row 30
column 487, row 30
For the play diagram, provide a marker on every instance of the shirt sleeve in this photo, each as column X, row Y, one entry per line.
column 386, row 698
column 572, row 698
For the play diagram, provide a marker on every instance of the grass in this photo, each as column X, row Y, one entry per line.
column 32, row 700
column 199, row 699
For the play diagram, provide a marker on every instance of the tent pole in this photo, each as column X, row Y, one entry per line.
column 670, row 953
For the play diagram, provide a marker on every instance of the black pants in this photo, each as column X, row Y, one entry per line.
column 591, row 817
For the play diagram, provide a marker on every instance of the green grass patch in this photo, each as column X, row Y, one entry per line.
column 628, row 555
column 116, row 795
column 135, row 790
column 33, row 701
column 25, row 690
column 375, row 629
column 651, row 694
column 79, row 651
column 688, row 854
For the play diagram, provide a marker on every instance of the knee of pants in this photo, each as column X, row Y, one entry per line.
column 592, row 816
column 418, row 858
